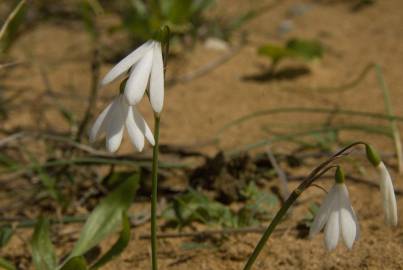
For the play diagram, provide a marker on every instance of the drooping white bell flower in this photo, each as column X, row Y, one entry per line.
column 388, row 195
column 113, row 120
column 386, row 185
column 147, row 68
column 338, row 215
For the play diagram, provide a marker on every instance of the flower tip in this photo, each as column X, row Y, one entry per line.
column 392, row 223
column 330, row 246
column 131, row 99
column 107, row 79
column 151, row 140
column 103, row 82
column 113, row 144
column 311, row 234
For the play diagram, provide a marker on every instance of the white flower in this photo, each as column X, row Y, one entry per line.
column 388, row 195
column 338, row 215
column 113, row 120
column 145, row 62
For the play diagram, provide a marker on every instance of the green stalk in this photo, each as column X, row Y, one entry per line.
column 154, row 188
column 389, row 112
column 277, row 219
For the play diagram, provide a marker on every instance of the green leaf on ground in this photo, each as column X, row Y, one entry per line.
column 306, row 49
column 43, row 253
column 5, row 235
column 119, row 246
column 75, row 263
column 106, row 217
column 294, row 48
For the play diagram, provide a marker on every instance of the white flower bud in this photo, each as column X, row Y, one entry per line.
column 388, row 195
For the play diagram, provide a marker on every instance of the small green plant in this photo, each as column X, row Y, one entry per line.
column 142, row 19
column 194, row 206
column 186, row 18
column 104, row 220
column 294, row 48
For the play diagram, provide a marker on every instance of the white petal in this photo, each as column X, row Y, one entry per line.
column 332, row 229
column 348, row 227
column 115, row 125
column 323, row 213
column 388, row 196
column 142, row 124
column 138, row 79
column 126, row 63
column 99, row 125
column 157, row 80
column 348, row 224
column 135, row 134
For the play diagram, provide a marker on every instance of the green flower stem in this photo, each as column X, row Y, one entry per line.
column 277, row 219
column 154, row 194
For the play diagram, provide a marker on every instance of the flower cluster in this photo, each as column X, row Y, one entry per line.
column 145, row 66
column 337, row 215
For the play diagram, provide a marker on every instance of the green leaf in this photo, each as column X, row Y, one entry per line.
column 5, row 235
column 43, row 253
column 88, row 18
column 140, row 7
column 260, row 205
column 118, row 247
column 6, row 265
column 177, row 11
column 10, row 27
column 6, row 161
column 75, row 263
column 276, row 53
column 66, row 114
column 306, row 49
column 195, row 206
column 239, row 21
column 106, row 217
column 200, row 5
column 48, row 182
column 116, row 178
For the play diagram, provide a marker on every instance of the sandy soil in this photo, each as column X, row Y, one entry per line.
column 196, row 110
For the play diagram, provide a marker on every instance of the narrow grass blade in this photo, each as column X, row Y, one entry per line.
column 343, row 87
column 261, row 113
column 10, row 25
column 290, row 137
column 389, row 111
